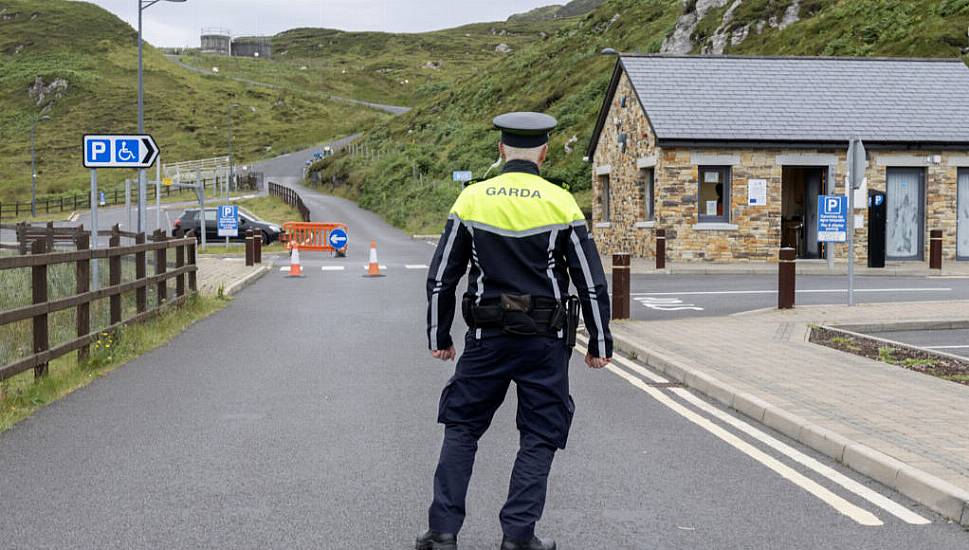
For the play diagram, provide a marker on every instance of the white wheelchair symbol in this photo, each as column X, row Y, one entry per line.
column 125, row 154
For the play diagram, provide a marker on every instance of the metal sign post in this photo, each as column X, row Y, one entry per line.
column 856, row 177
column 94, row 228
column 158, row 195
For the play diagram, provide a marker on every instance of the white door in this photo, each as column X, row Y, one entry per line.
column 962, row 247
column 905, row 214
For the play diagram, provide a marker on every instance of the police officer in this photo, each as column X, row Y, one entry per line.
column 524, row 237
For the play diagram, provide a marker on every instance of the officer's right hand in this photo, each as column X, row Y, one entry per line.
column 597, row 362
column 444, row 354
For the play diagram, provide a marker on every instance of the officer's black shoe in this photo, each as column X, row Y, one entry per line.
column 534, row 544
column 432, row 540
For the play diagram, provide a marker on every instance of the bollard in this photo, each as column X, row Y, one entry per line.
column 250, row 249
column 660, row 249
column 620, row 286
column 786, row 279
column 257, row 248
column 935, row 249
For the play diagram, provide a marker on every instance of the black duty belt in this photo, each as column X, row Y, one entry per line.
column 522, row 315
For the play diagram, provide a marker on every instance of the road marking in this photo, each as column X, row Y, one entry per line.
column 382, row 266
column 856, row 513
column 667, row 304
column 333, row 268
column 883, row 502
column 807, row 291
column 946, row 347
column 415, row 266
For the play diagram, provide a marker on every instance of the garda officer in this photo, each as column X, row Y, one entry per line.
column 524, row 237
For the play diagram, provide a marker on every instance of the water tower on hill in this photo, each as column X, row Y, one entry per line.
column 253, row 46
column 216, row 41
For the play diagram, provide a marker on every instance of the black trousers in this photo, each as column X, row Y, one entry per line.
column 539, row 368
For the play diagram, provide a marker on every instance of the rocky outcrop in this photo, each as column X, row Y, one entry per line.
column 728, row 33
column 45, row 95
column 503, row 48
column 681, row 39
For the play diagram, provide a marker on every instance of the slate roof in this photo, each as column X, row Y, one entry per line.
column 800, row 99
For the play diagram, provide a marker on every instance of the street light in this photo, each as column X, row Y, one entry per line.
column 228, row 115
column 142, row 181
column 33, row 165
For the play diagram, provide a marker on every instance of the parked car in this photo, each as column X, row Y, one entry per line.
column 189, row 221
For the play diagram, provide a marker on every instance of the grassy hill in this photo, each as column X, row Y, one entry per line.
column 565, row 76
column 91, row 55
column 395, row 68
column 555, row 11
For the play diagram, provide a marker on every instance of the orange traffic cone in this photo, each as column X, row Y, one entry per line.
column 373, row 270
column 294, row 268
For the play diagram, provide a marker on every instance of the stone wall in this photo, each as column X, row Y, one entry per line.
column 754, row 232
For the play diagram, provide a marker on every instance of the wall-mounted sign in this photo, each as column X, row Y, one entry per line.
column 756, row 192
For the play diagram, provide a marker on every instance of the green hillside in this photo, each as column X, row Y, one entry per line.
column 395, row 68
column 89, row 84
column 555, row 11
column 566, row 77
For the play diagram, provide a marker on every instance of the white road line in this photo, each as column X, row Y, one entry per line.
column 883, row 502
column 333, row 268
column 415, row 266
column 382, row 267
column 946, row 347
column 807, row 291
column 284, row 268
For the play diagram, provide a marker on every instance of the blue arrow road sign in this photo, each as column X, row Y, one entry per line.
column 119, row 151
column 338, row 239
column 228, row 221
column 833, row 218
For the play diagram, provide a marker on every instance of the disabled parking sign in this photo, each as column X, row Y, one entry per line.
column 119, row 151
column 833, row 218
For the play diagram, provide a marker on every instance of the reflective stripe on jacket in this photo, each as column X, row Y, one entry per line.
column 521, row 235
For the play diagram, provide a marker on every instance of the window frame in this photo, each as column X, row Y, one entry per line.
column 725, row 179
column 605, row 198
column 647, row 186
column 963, row 171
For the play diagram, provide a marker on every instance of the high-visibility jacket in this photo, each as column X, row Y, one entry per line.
column 522, row 235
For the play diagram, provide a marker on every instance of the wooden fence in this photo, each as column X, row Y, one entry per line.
column 291, row 198
column 41, row 259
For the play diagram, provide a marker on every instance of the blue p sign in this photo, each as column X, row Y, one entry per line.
column 832, row 205
column 99, row 150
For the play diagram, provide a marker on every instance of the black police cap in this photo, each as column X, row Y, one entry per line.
column 525, row 130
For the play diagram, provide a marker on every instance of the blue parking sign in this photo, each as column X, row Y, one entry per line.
column 228, row 221
column 99, row 150
column 833, row 218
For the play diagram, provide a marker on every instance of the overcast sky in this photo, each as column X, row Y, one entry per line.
column 171, row 24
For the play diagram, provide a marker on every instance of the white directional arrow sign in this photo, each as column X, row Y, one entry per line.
column 119, row 151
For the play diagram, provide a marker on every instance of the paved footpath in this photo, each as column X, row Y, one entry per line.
column 917, row 420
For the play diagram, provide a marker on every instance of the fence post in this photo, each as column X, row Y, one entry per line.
column 141, row 271
column 257, row 248
column 114, row 274
column 620, row 286
column 50, row 236
column 660, row 249
column 250, row 252
column 786, row 284
column 22, row 238
column 161, row 265
column 192, row 286
column 38, row 283
column 82, row 278
column 935, row 249
column 179, row 262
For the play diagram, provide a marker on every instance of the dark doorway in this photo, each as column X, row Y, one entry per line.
column 800, row 188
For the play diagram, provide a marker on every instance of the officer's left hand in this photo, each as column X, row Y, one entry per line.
column 597, row 362
column 444, row 354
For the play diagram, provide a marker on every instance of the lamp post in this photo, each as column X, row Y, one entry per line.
column 142, row 178
column 228, row 115
column 33, row 165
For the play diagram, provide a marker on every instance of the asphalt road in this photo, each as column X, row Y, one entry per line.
column 656, row 297
column 303, row 416
column 955, row 342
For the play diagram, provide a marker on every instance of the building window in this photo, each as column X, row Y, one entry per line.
column 646, row 187
column 713, row 194
column 604, row 198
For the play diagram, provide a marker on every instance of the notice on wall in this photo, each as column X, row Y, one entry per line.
column 756, row 192
column 859, row 221
column 711, row 208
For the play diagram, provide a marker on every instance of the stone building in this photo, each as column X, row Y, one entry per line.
column 729, row 154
